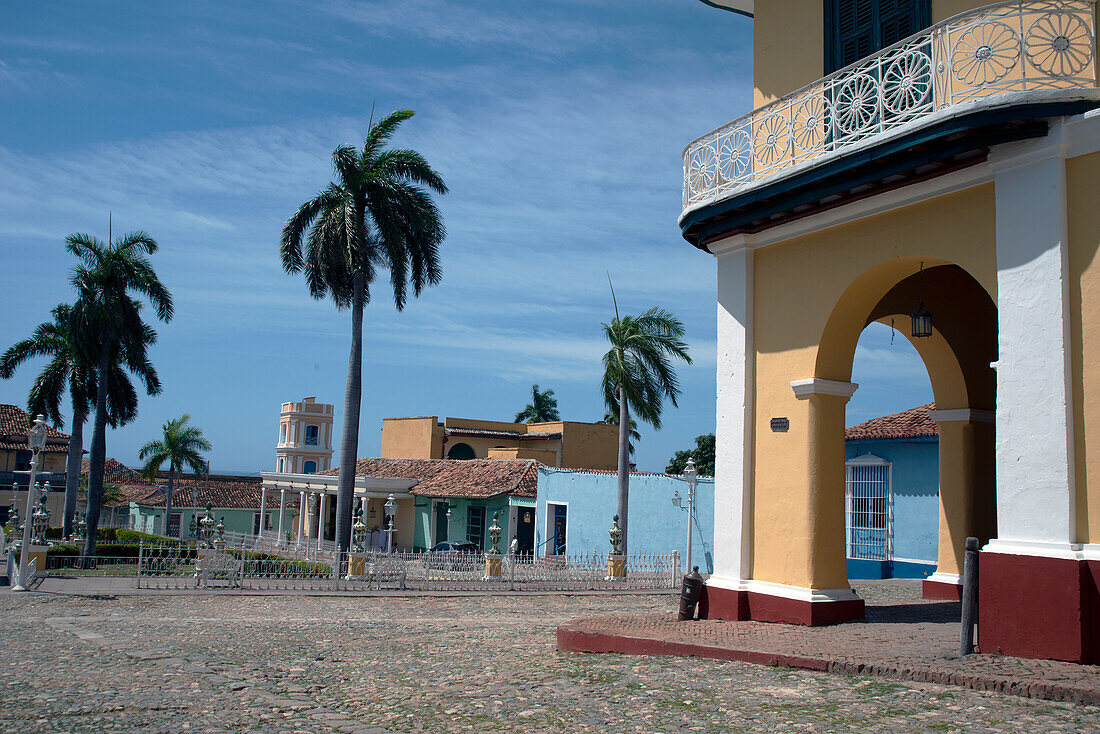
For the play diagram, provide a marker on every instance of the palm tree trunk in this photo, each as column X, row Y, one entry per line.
column 168, row 498
column 349, row 441
column 98, row 456
column 624, row 466
column 72, row 472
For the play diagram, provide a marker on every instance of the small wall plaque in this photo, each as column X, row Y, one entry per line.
column 780, row 425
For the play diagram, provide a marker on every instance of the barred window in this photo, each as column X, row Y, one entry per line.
column 858, row 28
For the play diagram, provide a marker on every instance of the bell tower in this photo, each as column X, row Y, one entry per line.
column 305, row 437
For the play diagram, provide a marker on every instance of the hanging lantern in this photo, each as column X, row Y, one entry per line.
column 922, row 321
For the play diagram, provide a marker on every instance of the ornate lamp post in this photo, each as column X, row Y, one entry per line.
column 36, row 441
column 41, row 519
column 690, row 476
column 312, row 509
column 390, row 508
column 358, row 531
column 206, row 526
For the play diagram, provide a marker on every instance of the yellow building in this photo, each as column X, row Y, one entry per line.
column 915, row 156
column 15, row 461
column 305, row 437
column 560, row 443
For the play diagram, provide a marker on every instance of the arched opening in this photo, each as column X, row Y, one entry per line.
column 957, row 357
column 461, row 451
column 310, row 467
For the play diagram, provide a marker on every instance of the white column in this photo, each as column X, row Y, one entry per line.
column 1036, row 496
column 322, row 513
column 282, row 507
column 733, row 460
column 301, row 515
column 263, row 506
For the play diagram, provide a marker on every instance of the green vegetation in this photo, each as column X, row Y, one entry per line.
column 180, row 445
column 543, row 408
column 378, row 213
column 703, row 454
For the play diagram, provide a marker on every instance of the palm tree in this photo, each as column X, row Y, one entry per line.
column 108, row 330
column 612, row 418
column 638, row 372
column 543, row 408
column 66, row 371
column 377, row 213
column 180, row 445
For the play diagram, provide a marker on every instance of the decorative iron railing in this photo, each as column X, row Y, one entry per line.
column 1006, row 47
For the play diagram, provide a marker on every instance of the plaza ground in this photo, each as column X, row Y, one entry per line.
column 214, row 662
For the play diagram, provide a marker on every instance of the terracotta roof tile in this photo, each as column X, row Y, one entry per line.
column 473, row 479
column 912, row 423
column 14, row 423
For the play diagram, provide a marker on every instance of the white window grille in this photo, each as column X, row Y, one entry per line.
column 868, row 505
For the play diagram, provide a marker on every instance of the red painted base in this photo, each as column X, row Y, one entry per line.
column 1035, row 607
column 719, row 603
column 941, row 590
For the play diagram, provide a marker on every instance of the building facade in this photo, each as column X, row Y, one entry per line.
column 15, row 460
column 883, row 176
column 305, row 437
column 560, row 443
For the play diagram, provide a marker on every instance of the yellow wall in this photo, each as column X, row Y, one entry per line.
column 1082, row 179
column 411, row 438
column 590, row 446
column 51, row 462
column 548, row 457
column 840, row 275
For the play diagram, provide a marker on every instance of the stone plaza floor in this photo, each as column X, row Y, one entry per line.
column 290, row 663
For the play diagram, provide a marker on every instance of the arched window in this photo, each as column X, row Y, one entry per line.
column 311, row 435
column 310, row 467
column 461, row 451
column 281, row 466
column 282, row 439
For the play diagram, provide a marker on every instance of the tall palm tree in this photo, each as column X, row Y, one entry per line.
column 543, row 408
column 377, row 213
column 612, row 418
column 638, row 372
column 181, row 444
column 108, row 329
column 66, row 371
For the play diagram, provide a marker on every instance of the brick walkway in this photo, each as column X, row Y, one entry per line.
column 903, row 637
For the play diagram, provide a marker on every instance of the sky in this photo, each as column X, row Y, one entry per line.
column 558, row 126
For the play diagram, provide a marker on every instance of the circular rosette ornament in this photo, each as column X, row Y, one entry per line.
column 985, row 53
column 810, row 124
column 734, row 156
column 702, row 168
column 771, row 140
column 907, row 83
column 856, row 104
column 1059, row 44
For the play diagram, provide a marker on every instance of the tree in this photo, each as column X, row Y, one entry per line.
column 543, row 408
column 377, row 213
column 703, row 454
column 612, row 418
column 66, row 371
column 638, row 372
column 181, row 444
column 108, row 330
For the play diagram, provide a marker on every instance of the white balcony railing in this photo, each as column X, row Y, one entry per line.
column 1001, row 48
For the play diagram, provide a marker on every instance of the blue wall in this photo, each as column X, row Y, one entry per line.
column 915, row 487
column 656, row 525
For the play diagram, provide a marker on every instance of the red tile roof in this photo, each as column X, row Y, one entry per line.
column 473, row 479
column 14, row 423
column 912, row 423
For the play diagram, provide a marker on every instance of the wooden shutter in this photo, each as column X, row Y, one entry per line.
column 855, row 29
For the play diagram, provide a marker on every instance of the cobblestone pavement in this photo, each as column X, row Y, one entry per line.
column 293, row 664
column 902, row 637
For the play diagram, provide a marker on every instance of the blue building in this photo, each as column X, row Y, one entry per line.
column 892, row 495
column 575, row 507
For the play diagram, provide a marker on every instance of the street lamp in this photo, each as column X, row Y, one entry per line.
column 690, row 475
column 36, row 441
column 390, row 508
column 312, row 508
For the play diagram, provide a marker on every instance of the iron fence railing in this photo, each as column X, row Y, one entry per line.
column 1018, row 46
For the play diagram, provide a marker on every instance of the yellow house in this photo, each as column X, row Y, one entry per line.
column 305, row 437
column 909, row 160
column 560, row 443
column 15, row 460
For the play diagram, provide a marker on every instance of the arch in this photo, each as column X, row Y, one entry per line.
column 958, row 359
column 462, row 452
column 310, row 467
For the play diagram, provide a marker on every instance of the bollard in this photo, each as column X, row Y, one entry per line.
column 690, row 592
column 969, row 597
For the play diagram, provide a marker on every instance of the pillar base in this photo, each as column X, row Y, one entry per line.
column 357, row 566
column 616, row 567
column 766, row 602
column 493, row 567
column 1045, row 605
column 942, row 587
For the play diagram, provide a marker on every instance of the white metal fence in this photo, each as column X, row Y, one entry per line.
column 188, row 567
